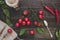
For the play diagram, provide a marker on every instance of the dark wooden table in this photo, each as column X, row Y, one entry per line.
column 35, row 5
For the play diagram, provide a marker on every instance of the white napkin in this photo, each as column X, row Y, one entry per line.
column 8, row 36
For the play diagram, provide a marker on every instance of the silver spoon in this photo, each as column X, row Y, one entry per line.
column 46, row 24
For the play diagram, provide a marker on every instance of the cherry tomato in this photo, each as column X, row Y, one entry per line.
column 26, row 19
column 23, row 23
column 9, row 30
column 25, row 12
column 17, row 24
column 28, row 23
column 35, row 23
column 38, row 24
column 40, row 12
column 40, row 16
column 31, row 32
column 20, row 20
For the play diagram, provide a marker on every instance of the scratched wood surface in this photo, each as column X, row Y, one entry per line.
column 35, row 5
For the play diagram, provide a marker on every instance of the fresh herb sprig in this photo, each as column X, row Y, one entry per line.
column 6, row 12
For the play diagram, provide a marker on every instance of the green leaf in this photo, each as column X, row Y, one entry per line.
column 1, row 2
column 8, row 22
column 6, row 12
column 57, row 34
column 40, row 30
column 22, row 31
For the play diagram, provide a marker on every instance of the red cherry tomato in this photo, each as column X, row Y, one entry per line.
column 40, row 12
column 38, row 24
column 26, row 19
column 23, row 23
column 35, row 23
column 17, row 24
column 9, row 30
column 40, row 16
column 20, row 20
column 31, row 32
column 28, row 23
column 25, row 12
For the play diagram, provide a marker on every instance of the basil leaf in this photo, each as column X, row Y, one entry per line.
column 8, row 22
column 57, row 34
column 40, row 30
column 22, row 31
column 6, row 12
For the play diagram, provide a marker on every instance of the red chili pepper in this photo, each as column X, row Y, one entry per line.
column 54, row 13
column 49, row 9
column 57, row 17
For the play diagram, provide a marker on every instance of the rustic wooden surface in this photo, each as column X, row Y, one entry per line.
column 35, row 5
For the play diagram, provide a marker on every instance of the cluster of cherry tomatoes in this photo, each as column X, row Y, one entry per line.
column 27, row 22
